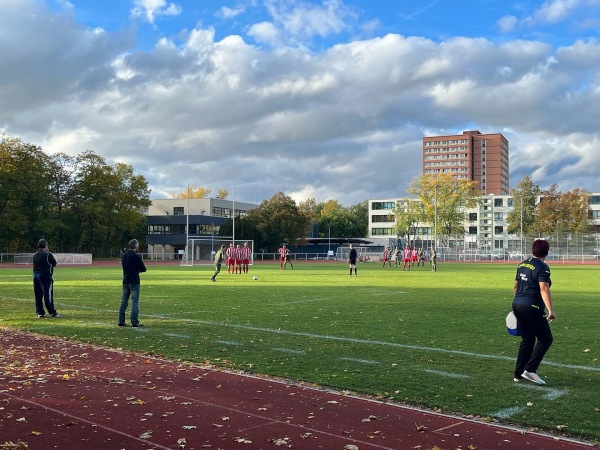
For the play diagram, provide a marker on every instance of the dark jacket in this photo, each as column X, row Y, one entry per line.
column 43, row 262
column 133, row 265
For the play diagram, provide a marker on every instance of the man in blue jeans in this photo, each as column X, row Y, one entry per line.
column 132, row 267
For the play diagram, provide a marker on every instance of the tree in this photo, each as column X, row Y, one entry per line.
column 359, row 214
column 222, row 193
column 525, row 195
column 25, row 195
column 562, row 212
column 408, row 214
column 279, row 220
column 444, row 200
column 194, row 192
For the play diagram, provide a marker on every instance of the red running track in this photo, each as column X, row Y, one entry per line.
column 56, row 394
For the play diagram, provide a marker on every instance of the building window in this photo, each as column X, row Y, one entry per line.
column 498, row 230
column 178, row 211
column 472, row 217
column 382, row 205
column 472, row 230
column 498, row 202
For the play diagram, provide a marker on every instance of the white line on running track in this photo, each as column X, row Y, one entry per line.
column 446, row 374
column 345, row 339
column 89, row 422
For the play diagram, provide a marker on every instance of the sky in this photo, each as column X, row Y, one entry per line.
column 316, row 99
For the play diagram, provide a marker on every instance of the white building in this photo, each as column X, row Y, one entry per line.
column 486, row 226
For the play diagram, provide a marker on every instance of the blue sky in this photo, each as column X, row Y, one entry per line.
column 324, row 99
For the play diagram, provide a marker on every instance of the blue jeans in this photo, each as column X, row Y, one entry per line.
column 133, row 291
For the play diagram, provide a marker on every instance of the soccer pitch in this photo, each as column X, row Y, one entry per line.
column 415, row 337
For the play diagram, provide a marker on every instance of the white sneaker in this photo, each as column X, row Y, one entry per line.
column 532, row 377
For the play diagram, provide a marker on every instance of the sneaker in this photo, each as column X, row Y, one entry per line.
column 120, row 324
column 41, row 316
column 517, row 380
column 137, row 325
column 56, row 315
column 531, row 376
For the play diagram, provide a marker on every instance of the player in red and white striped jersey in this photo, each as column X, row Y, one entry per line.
column 238, row 259
column 230, row 258
column 245, row 257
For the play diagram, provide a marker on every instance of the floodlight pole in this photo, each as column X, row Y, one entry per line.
column 187, row 226
column 233, row 217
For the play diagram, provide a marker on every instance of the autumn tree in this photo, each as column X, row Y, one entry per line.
column 522, row 217
column 562, row 212
column 222, row 193
column 279, row 220
column 193, row 192
column 408, row 213
column 444, row 200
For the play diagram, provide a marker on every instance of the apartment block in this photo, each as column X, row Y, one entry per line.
column 474, row 156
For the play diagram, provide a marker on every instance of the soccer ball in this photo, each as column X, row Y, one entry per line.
column 255, row 277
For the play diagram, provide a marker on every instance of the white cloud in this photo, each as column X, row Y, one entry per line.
column 151, row 9
column 264, row 32
column 507, row 24
column 343, row 123
column 229, row 13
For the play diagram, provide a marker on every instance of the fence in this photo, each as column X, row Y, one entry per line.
column 61, row 258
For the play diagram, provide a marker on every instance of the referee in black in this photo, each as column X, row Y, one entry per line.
column 532, row 298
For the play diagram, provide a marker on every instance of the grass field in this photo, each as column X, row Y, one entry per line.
column 432, row 339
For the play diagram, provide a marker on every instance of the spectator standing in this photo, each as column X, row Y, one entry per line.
column 43, row 283
column 133, row 265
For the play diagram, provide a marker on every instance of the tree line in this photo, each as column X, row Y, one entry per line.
column 281, row 220
column 80, row 204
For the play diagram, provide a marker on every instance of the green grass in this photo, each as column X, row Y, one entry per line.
column 432, row 339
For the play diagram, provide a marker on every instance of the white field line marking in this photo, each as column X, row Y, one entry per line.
column 288, row 350
column 358, row 360
column 88, row 422
column 550, row 393
column 175, row 335
column 508, row 412
column 446, row 374
column 227, row 342
column 340, row 338
column 306, row 301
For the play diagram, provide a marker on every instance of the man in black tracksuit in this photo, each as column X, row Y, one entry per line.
column 43, row 284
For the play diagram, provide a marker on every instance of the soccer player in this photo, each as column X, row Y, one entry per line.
column 230, row 258
column 352, row 260
column 421, row 255
column 433, row 256
column 414, row 256
column 218, row 261
column 133, row 265
column 282, row 251
column 288, row 259
column 385, row 255
column 245, row 257
column 238, row 259
column 407, row 256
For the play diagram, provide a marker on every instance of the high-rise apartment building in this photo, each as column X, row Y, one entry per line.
column 472, row 156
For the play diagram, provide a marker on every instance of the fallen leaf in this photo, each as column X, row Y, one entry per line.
column 351, row 447
column 189, row 427
column 146, row 435
column 242, row 440
column 560, row 427
column 420, row 427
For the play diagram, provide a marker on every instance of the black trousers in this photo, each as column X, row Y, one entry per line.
column 536, row 338
column 44, row 293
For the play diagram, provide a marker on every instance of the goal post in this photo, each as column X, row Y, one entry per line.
column 201, row 250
